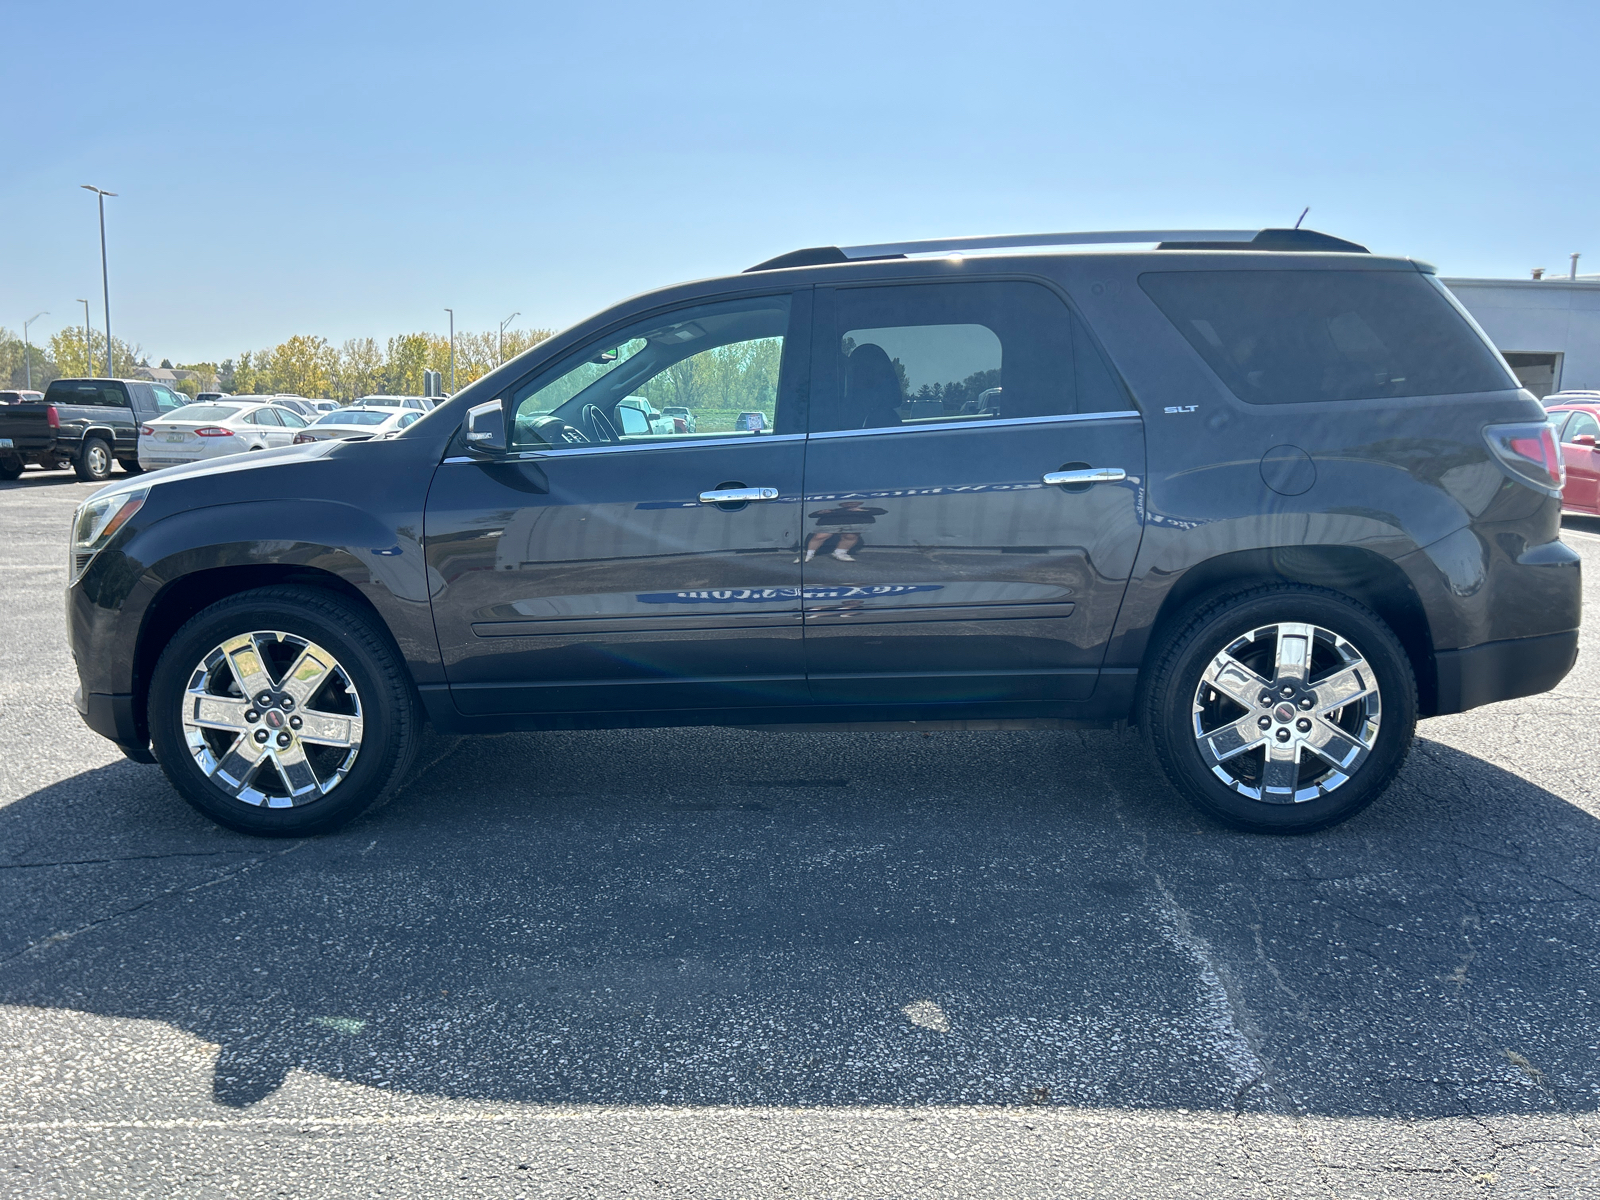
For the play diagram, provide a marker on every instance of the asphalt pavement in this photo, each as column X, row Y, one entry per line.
column 735, row 963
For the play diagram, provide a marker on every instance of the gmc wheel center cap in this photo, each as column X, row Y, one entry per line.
column 1284, row 713
column 275, row 718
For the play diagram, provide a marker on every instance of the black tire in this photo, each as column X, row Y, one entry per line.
column 94, row 460
column 364, row 653
column 10, row 468
column 130, row 466
column 1323, row 794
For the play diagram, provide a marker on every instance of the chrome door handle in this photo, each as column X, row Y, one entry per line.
column 1092, row 475
column 738, row 495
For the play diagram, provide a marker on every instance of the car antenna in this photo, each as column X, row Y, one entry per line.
column 1303, row 213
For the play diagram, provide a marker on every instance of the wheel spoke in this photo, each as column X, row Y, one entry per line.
column 1234, row 680
column 248, row 664
column 1282, row 772
column 330, row 729
column 307, row 673
column 1340, row 688
column 1294, row 651
column 1328, row 741
column 238, row 766
column 1233, row 739
column 217, row 712
column 297, row 774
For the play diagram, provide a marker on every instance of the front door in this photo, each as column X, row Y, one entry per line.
column 608, row 562
column 940, row 564
column 1582, row 461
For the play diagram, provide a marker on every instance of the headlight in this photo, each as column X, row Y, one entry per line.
column 96, row 523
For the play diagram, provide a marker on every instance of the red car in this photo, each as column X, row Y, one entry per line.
column 1578, row 428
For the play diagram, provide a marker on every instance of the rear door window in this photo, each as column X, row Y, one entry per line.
column 1291, row 337
column 921, row 355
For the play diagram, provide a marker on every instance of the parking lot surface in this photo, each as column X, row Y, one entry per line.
column 737, row 963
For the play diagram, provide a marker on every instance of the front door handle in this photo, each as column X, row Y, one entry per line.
column 1091, row 475
column 738, row 495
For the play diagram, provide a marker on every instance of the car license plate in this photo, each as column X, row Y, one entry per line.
column 5, row 444
column 176, row 437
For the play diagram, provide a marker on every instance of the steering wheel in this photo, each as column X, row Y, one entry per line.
column 553, row 431
column 599, row 423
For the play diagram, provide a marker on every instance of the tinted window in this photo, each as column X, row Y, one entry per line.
column 359, row 416
column 1581, row 422
column 943, row 353
column 267, row 416
column 201, row 412
column 86, row 391
column 722, row 362
column 1288, row 337
column 291, row 418
column 166, row 400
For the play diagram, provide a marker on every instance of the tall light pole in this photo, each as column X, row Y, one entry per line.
column 500, row 346
column 105, row 279
column 27, row 353
column 88, row 350
column 452, row 313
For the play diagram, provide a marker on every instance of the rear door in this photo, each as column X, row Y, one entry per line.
column 941, row 565
column 604, row 565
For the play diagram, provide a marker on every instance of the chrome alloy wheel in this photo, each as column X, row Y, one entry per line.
column 272, row 719
column 1287, row 713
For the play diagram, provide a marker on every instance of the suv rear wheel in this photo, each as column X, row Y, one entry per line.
column 1285, row 709
column 282, row 712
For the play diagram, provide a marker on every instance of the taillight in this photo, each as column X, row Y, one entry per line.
column 146, row 431
column 213, row 431
column 300, row 439
column 52, row 417
column 1529, row 451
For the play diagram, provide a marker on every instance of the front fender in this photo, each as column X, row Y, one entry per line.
column 129, row 581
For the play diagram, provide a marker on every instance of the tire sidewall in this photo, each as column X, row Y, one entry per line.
column 384, row 723
column 1172, row 727
column 86, row 460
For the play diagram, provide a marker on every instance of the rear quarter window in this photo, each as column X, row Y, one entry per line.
column 1294, row 337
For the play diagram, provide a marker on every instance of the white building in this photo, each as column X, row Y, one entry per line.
column 1548, row 329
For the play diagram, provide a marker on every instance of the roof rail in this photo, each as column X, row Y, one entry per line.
column 1165, row 239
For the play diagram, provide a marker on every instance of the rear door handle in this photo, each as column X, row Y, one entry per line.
column 1091, row 475
column 738, row 495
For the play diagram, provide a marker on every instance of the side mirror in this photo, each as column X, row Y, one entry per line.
column 486, row 426
column 633, row 421
column 1583, row 439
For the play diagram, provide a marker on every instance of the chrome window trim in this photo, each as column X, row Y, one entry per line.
column 770, row 438
column 763, row 439
column 1000, row 423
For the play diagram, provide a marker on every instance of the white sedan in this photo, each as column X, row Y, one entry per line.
column 201, row 431
column 356, row 422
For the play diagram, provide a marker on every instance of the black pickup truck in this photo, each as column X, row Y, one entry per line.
column 89, row 423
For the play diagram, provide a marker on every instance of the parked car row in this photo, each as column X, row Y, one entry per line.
column 91, row 425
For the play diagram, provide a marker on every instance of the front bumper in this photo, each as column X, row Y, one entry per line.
column 1504, row 670
column 112, row 717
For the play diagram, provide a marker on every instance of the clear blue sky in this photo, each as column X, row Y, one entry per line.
column 349, row 169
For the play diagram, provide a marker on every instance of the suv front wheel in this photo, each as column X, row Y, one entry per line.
column 282, row 711
column 1286, row 709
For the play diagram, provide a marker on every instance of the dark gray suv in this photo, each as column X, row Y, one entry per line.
column 1266, row 495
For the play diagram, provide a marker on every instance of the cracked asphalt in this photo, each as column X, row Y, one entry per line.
column 732, row 963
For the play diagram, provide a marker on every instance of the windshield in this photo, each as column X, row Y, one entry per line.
column 361, row 416
column 201, row 412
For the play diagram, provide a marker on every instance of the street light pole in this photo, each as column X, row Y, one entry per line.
column 500, row 346
column 27, row 352
column 88, row 350
column 105, row 278
column 452, row 313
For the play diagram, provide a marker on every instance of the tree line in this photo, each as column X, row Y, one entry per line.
column 304, row 365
